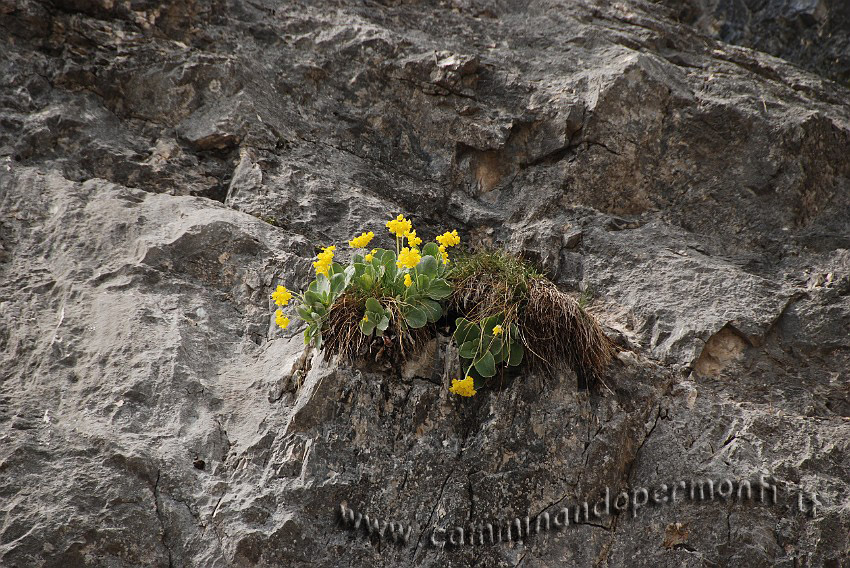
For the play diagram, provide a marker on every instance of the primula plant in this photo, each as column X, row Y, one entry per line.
column 402, row 287
column 389, row 300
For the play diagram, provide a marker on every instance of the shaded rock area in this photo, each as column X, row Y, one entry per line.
column 163, row 166
column 814, row 34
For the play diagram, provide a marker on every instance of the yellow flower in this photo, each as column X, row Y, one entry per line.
column 407, row 280
column 497, row 329
column 444, row 254
column 448, row 239
column 465, row 387
column 365, row 317
column 281, row 296
column 368, row 257
column 321, row 268
column 399, row 226
column 281, row 319
column 325, row 259
column 362, row 241
column 408, row 258
column 412, row 239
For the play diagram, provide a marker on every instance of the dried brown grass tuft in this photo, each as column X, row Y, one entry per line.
column 489, row 282
column 556, row 331
column 480, row 295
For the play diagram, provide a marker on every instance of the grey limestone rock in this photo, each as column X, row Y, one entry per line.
column 165, row 165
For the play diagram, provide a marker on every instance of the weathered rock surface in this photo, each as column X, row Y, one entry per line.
column 164, row 165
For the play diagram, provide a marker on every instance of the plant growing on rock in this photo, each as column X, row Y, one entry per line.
column 513, row 313
column 398, row 290
column 384, row 303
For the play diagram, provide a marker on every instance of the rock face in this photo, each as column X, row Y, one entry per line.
column 164, row 165
column 814, row 34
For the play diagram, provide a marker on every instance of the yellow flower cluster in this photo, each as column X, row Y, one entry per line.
column 399, row 226
column 408, row 258
column 497, row 329
column 407, row 280
column 444, row 254
column 281, row 296
column 464, row 387
column 325, row 259
column 362, row 241
column 448, row 239
column 368, row 257
column 281, row 319
column 412, row 240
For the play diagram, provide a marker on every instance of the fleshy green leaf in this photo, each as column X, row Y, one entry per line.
column 465, row 331
column 505, row 352
column 312, row 298
column 384, row 323
column 337, row 284
column 374, row 305
column 498, row 356
column 323, row 285
column 390, row 272
column 428, row 265
column 486, row 366
column 431, row 249
column 493, row 344
column 367, row 327
column 365, row 281
column 409, row 293
column 439, row 289
column 303, row 313
column 432, row 309
column 415, row 317
column 468, row 350
column 385, row 256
